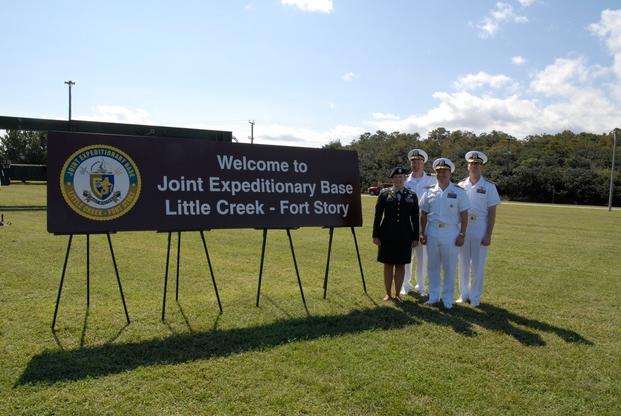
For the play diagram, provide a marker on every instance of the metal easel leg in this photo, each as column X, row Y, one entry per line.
column 261, row 267
column 166, row 277
column 178, row 261
column 364, row 285
column 88, row 270
column 62, row 280
column 213, row 278
column 325, row 279
column 118, row 279
column 295, row 263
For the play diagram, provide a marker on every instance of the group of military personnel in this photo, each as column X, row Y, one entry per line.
column 453, row 224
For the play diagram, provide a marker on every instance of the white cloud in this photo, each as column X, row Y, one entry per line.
column 566, row 77
column 384, row 116
column 587, row 110
column 350, row 76
column 561, row 78
column 578, row 104
column 518, row 60
column 301, row 136
column 482, row 79
column 332, row 106
column 324, row 6
column 609, row 30
column 502, row 13
column 248, row 6
column 526, row 3
column 118, row 114
column 566, row 94
column 285, row 135
column 466, row 111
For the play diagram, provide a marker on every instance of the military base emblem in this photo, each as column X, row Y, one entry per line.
column 100, row 182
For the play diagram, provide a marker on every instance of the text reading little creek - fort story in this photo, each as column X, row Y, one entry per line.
column 281, row 189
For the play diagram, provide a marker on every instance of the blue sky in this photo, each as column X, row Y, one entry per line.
column 310, row 71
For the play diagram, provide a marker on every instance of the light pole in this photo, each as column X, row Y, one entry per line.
column 69, row 83
column 251, row 131
column 612, row 168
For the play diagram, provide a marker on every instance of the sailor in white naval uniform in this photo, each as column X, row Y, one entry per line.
column 443, row 222
column 484, row 199
column 418, row 182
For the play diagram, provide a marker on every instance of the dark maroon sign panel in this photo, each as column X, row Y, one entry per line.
column 105, row 183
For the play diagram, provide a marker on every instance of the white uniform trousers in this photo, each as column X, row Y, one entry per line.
column 441, row 255
column 420, row 254
column 472, row 259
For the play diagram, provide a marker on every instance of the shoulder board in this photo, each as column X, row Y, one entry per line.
column 459, row 186
column 385, row 191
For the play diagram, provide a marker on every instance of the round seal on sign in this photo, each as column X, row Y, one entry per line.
column 100, row 182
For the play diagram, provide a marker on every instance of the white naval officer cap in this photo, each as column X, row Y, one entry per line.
column 476, row 156
column 418, row 154
column 443, row 163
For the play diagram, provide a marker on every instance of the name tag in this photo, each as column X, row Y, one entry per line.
column 481, row 191
column 452, row 195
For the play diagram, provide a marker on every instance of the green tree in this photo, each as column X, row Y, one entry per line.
column 21, row 146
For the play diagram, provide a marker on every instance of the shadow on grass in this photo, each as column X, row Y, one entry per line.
column 57, row 366
column 492, row 318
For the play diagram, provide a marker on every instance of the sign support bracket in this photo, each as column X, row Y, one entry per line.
column 325, row 279
column 88, row 274
column 295, row 264
column 213, row 278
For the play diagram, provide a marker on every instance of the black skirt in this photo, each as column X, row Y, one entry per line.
column 390, row 252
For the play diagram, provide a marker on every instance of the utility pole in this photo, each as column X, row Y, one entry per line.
column 69, row 83
column 612, row 169
column 251, row 131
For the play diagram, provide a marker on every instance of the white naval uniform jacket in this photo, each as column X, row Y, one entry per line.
column 482, row 195
column 420, row 185
column 444, row 206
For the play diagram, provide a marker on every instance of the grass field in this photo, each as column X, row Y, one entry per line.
column 546, row 340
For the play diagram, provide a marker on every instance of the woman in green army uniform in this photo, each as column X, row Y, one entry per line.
column 395, row 230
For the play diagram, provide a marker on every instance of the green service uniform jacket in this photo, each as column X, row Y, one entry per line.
column 396, row 216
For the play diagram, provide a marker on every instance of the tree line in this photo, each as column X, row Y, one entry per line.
column 561, row 168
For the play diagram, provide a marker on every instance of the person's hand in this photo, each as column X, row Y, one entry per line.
column 422, row 239
column 487, row 240
column 376, row 241
column 414, row 243
column 459, row 241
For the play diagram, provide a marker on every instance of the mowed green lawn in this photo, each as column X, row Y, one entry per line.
column 546, row 340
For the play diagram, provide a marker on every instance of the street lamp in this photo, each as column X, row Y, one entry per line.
column 251, row 131
column 69, row 83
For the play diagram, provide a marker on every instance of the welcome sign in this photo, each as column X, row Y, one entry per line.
column 105, row 183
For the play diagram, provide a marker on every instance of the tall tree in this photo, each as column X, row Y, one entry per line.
column 20, row 146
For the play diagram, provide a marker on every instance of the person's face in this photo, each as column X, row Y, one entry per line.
column 398, row 180
column 417, row 165
column 443, row 175
column 474, row 169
